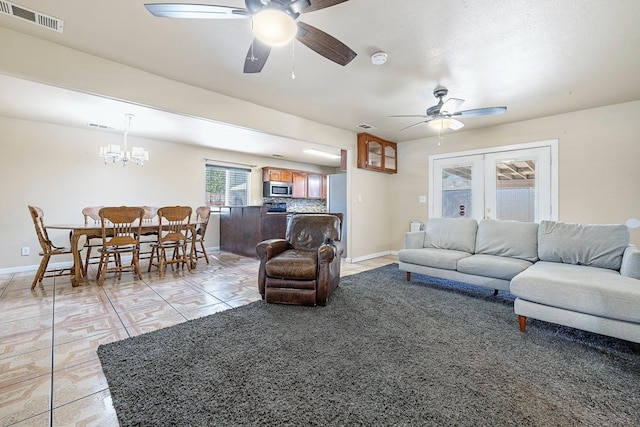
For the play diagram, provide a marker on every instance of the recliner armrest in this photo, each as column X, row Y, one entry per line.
column 327, row 253
column 270, row 248
column 414, row 239
column 631, row 262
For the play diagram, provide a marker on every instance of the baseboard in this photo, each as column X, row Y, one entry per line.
column 67, row 264
column 28, row 268
column 370, row 256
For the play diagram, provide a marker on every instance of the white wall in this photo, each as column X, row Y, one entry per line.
column 57, row 168
column 599, row 153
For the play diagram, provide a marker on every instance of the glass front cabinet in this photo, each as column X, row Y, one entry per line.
column 377, row 154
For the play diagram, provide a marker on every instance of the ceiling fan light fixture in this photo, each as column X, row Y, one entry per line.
column 274, row 27
column 440, row 123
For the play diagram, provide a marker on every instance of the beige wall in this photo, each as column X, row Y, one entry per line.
column 58, row 169
column 598, row 150
column 38, row 60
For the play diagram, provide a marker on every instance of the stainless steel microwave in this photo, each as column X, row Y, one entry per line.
column 277, row 189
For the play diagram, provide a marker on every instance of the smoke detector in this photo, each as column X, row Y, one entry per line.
column 379, row 58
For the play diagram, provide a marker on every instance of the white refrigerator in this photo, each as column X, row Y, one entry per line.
column 337, row 202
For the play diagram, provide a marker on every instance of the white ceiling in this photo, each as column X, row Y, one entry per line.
column 538, row 58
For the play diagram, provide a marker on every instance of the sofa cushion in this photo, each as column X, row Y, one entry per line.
column 513, row 239
column 498, row 267
column 595, row 245
column 596, row 291
column 431, row 257
column 458, row 234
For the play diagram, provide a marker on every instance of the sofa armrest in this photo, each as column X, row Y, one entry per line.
column 414, row 239
column 631, row 262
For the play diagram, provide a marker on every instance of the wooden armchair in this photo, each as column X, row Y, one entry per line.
column 120, row 235
column 303, row 268
column 48, row 250
column 173, row 235
column 91, row 216
column 203, row 214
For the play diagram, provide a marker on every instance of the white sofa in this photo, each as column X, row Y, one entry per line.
column 582, row 276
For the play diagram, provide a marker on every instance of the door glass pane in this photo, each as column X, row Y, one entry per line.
column 516, row 190
column 375, row 154
column 389, row 158
column 456, row 192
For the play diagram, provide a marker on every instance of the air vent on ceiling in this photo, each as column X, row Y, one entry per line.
column 100, row 126
column 366, row 126
column 32, row 16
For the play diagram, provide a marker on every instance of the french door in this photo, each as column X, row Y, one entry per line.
column 514, row 184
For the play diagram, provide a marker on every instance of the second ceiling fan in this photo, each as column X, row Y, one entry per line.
column 441, row 116
column 274, row 22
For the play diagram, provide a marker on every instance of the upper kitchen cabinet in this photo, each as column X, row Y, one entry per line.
column 299, row 185
column 279, row 175
column 377, row 154
column 315, row 187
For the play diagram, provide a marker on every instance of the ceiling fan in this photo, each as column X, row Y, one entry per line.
column 441, row 116
column 273, row 24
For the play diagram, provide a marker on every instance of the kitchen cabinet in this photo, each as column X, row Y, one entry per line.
column 279, row 175
column 377, row 154
column 306, row 185
column 315, row 187
column 299, row 185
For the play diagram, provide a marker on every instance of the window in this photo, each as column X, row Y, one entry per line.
column 227, row 186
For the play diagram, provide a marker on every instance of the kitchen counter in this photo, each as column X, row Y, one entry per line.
column 243, row 227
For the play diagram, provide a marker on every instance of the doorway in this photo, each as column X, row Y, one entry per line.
column 508, row 183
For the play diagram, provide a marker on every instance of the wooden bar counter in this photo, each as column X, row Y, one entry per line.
column 243, row 227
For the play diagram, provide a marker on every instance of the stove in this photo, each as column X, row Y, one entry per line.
column 276, row 206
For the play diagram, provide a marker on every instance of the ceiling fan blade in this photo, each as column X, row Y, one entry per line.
column 455, row 124
column 256, row 57
column 321, row 4
column 488, row 111
column 196, row 11
column 451, row 105
column 324, row 44
column 414, row 125
column 410, row 115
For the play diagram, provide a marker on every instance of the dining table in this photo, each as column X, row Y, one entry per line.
column 94, row 230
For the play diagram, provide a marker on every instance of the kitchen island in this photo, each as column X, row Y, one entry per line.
column 243, row 227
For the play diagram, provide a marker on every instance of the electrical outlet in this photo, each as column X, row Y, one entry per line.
column 25, row 251
column 422, row 199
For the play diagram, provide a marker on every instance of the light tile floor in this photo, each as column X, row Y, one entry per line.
column 50, row 374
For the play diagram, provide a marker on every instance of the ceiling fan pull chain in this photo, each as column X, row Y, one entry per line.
column 293, row 60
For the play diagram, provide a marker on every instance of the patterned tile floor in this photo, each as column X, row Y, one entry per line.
column 50, row 374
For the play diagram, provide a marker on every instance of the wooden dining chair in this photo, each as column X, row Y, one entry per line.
column 48, row 250
column 203, row 213
column 121, row 228
column 173, row 235
column 150, row 237
column 91, row 216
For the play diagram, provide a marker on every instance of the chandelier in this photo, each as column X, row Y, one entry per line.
column 112, row 153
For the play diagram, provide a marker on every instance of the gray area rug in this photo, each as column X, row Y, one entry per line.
column 382, row 352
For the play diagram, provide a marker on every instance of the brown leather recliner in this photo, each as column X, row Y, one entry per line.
column 304, row 268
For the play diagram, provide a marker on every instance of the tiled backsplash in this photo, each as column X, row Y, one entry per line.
column 302, row 205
